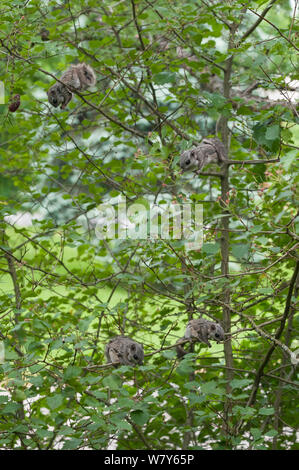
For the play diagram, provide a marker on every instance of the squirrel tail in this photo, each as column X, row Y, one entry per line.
column 179, row 349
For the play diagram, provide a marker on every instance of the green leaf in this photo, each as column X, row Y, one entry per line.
column 72, row 372
column 124, row 426
column 139, row 417
column 113, row 382
column 271, row 433
column 210, row 248
column 245, row 412
column 240, row 250
column 273, row 132
column 186, row 366
column 256, row 433
column 44, row 433
column 266, row 411
column 72, row 444
column 10, row 408
column 19, row 395
column 267, row 135
column 55, row 401
column 288, row 159
column 211, row 388
column 240, row 383
column 197, row 399
column 164, row 77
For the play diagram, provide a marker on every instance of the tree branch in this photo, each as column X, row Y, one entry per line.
column 260, row 371
column 255, row 25
column 275, row 27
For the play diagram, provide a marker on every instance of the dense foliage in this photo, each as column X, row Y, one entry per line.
column 169, row 73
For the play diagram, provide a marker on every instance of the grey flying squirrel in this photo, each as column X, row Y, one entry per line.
column 76, row 77
column 201, row 330
column 124, row 350
column 208, row 151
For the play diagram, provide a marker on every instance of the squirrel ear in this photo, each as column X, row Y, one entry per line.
column 133, row 347
column 213, row 327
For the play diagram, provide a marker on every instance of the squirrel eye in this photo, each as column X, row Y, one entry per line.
column 135, row 357
column 188, row 162
column 216, row 335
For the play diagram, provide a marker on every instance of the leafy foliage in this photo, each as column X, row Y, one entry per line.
column 167, row 76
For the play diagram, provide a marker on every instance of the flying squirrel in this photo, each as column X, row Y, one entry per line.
column 76, row 77
column 124, row 350
column 200, row 330
column 208, row 151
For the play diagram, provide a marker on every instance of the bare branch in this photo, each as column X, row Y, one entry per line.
column 255, row 25
column 260, row 371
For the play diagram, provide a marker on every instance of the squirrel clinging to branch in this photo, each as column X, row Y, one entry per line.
column 124, row 350
column 208, row 151
column 200, row 330
column 76, row 77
